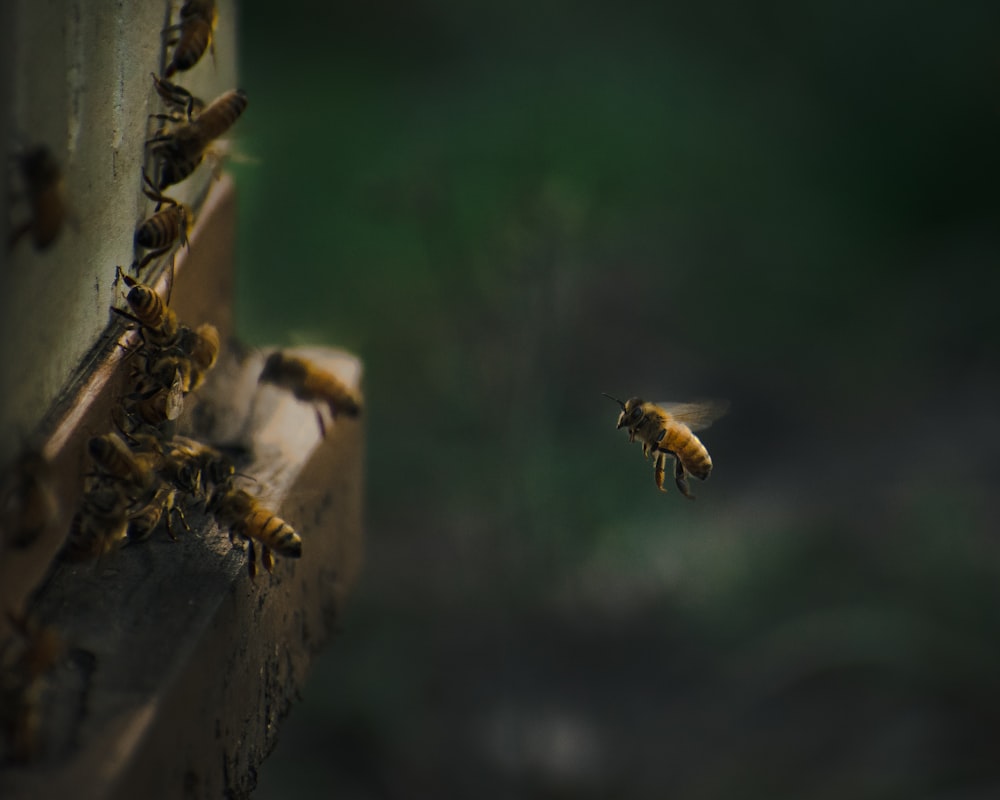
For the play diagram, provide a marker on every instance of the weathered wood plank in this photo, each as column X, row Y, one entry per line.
column 179, row 667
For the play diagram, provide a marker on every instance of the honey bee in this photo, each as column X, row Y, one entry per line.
column 151, row 405
column 162, row 508
column 312, row 384
column 46, row 194
column 159, row 324
column 29, row 504
column 217, row 469
column 22, row 684
column 181, row 467
column 202, row 346
column 239, row 511
column 668, row 430
column 135, row 471
column 180, row 150
column 165, row 229
column 196, row 32
column 101, row 523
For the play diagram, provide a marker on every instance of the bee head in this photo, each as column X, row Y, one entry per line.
column 623, row 415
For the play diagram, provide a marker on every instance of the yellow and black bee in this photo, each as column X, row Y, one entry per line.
column 668, row 430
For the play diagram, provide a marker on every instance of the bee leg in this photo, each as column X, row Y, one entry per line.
column 170, row 524
column 252, row 559
column 267, row 558
column 150, row 256
column 659, row 467
column 169, row 31
column 681, row 480
column 322, row 425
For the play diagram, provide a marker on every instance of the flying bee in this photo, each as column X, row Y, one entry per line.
column 179, row 150
column 195, row 34
column 29, row 504
column 312, row 384
column 668, row 430
column 165, row 229
column 244, row 517
column 101, row 523
column 161, row 509
column 45, row 189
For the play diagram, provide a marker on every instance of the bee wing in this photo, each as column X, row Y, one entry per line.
column 699, row 415
column 175, row 397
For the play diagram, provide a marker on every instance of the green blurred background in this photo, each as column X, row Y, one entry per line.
column 507, row 208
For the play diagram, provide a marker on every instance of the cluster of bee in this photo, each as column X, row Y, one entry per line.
column 144, row 472
column 143, row 477
column 178, row 148
column 667, row 429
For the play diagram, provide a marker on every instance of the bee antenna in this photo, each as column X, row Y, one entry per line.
column 615, row 399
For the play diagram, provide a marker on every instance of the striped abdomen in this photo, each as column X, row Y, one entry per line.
column 148, row 307
column 219, row 116
column 163, row 228
column 272, row 532
column 328, row 388
column 176, row 163
column 688, row 448
column 196, row 34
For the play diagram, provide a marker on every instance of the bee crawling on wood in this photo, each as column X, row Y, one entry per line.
column 179, row 150
column 159, row 324
column 667, row 430
column 160, row 510
column 167, row 228
column 192, row 36
column 240, row 512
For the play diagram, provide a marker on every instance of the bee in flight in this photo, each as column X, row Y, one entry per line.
column 667, row 429
column 194, row 35
column 311, row 384
column 45, row 189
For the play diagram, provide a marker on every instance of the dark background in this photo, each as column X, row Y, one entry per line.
column 507, row 208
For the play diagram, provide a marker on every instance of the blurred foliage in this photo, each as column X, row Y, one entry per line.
column 508, row 208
